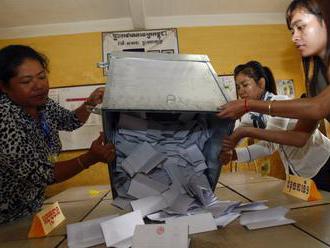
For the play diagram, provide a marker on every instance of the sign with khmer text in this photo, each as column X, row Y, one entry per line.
column 303, row 188
column 155, row 41
column 46, row 220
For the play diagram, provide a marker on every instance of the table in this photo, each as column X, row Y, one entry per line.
column 311, row 229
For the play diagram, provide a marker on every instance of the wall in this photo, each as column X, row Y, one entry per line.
column 73, row 61
column 231, row 45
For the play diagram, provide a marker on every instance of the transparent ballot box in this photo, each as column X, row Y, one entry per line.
column 159, row 111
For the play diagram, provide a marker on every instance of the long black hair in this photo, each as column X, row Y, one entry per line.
column 256, row 70
column 313, row 64
column 12, row 56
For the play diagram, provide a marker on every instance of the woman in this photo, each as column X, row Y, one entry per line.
column 254, row 81
column 309, row 161
column 29, row 137
column 309, row 22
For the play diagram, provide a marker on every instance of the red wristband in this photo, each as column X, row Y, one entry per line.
column 246, row 108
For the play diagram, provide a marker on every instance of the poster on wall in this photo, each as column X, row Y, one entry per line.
column 71, row 98
column 228, row 82
column 155, row 41
column 285, row 87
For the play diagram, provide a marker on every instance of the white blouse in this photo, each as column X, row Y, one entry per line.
column 303, row 161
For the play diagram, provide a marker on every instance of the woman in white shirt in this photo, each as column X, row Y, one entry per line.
column 309, row 161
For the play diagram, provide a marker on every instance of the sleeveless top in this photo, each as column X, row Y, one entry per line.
column 320, row 83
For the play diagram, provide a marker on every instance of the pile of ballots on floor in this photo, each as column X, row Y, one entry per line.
column 129, row 230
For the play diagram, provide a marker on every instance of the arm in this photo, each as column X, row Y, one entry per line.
column 254, row 151
column 96, row 97
column 66, row 120
column 99, row 152
column 263, row 148
column 249, row 153
column 296, row 137
column 314, row 108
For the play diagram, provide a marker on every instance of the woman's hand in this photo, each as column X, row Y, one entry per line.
column 229, row 142
column 225, row 156
column 101, row 152
column 232, row 110
column 98, row 152
column 84, row 111
column 96, row 97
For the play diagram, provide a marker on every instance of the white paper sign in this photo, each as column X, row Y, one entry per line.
column 71, row 98
column 158, row 41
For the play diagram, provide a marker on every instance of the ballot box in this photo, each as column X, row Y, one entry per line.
column 159, row 111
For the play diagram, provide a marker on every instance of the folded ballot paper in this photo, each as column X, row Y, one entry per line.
column 265, row 218
column 197, row 223
column 118, row 232
column 87, row 233
column 161, row 236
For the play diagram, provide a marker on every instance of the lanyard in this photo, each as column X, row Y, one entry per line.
column 46, row 131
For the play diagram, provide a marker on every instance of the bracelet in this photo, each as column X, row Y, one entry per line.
column 89, row 103
column 270, row 108
column 81, row 165
column 246, row 108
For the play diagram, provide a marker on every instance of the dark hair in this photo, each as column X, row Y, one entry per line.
column 325, row 10
column 312, row 65
column 310, row 5
column 12, row 56
column 255, row 70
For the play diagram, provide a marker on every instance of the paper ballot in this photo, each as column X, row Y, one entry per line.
column 143, row 159
column 224, row 220
column 87, row 233
column 121, row 228
column 161, row 236
column 251, row 206
column 142, row 186
column 150, row 204
column 265, row 218
column 197, row 223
